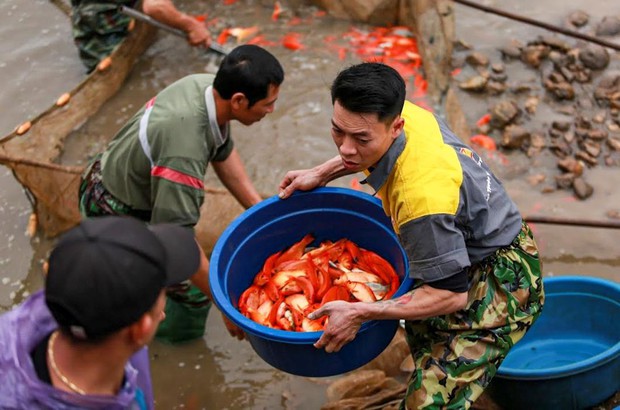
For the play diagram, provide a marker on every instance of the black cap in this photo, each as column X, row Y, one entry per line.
column 105, row 273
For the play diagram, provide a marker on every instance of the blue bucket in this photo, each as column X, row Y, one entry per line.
column 275, row 224
column 570, row 358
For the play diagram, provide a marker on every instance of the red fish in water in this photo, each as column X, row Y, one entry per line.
column 277, row 10
column 485, row 119
column 291, row 41
column 484, row 141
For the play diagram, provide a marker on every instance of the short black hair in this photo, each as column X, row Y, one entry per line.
column 248, row 69
column 370, row 88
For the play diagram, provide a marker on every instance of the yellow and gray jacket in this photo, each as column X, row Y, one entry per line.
column 448, row 208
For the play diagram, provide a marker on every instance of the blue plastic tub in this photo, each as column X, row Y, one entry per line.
column 274, row 224
column 570, row 358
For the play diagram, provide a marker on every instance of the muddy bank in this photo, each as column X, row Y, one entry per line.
column 550, row 98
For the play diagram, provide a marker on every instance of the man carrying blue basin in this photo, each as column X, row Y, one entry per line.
column 477, row 274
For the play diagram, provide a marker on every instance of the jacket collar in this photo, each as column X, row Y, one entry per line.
column 379, row 174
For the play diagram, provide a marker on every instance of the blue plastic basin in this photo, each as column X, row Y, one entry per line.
column 570, row 358
column 274, row 224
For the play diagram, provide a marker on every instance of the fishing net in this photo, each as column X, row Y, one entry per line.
column 32, row 150
column 52, row 191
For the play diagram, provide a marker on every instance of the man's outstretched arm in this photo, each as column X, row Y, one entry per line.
column 165, row 12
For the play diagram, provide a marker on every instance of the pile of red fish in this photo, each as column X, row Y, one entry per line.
column 395, row 46
column 296, row 281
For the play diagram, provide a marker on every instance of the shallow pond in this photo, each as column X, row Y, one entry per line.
column 38, row 63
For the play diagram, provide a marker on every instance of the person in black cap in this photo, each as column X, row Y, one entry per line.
column 81, row 342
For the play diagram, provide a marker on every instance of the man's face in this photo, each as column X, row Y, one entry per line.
column 361, row 139
column 249, row 115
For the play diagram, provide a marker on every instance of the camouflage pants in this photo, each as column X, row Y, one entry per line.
column 98, row 27
column 186, row 306
column 94, row 199
column 456, row 355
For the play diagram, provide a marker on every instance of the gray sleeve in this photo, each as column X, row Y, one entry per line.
column 435, row 247
column 224, row 151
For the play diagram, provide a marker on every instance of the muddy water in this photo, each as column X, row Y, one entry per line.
column 219, row 372
column 37, row 64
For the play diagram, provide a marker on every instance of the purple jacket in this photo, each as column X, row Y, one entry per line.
column 21, row 330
